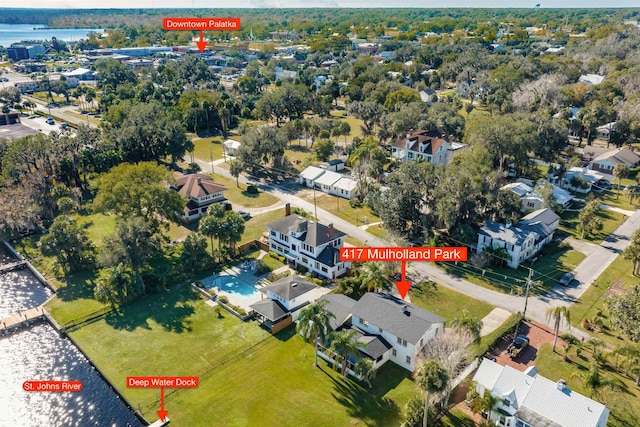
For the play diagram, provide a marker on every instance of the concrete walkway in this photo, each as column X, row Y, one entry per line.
column 618, row 210
column 493, row 320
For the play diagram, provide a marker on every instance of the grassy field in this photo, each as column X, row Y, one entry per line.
column 204, row 148
column 610, row 221
column 354, row 123
column 239, row 195
column 246, row 376
column 548, row 268
column 257, row 224
column 378, row 231
column 624, row 405
column 446, row 302
column 341, row 208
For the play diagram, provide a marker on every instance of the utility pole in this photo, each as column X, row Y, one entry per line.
column 315, row 206
column 211, row 156
column 526, row 294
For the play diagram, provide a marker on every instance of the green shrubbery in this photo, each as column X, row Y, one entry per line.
column 280, row 258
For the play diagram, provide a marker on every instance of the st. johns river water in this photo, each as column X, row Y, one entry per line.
column 39, row 353
column 14, row 33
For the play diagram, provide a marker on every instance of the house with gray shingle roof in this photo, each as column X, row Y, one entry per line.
column 387, row 327
column 308, row 244
column 606, row 162
column 531, row 400
column 521, row 240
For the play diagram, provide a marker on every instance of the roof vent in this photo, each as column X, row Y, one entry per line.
column 293, row 285
column 561, row 384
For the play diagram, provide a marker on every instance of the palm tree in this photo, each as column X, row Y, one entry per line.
column 432, row 377
column 235, row 169
column 595, row 343
column 210, row 227
column 314, row 323
column 366, row 369
column 557, row 314
column 372, row 275
column 469, row 324
column 631, row 358
column 486, row 403
column 593, row 381
column 620, row 171
column 343, row 343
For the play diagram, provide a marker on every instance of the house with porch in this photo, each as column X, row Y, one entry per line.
column 432, row 146
column 522, row 240
column 283, row 300
column 201, row 192
column 308, row 244
column 530, row 400
column 388, row 328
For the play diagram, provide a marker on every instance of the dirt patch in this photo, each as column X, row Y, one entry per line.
column 615, row 289
column 537, row 333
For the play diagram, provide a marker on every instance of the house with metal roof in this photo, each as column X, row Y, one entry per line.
column 308, row 244
column 328, row 181
column 530, row 400
column 283, row 300
column 388, row 328
column 201, row 192
column 431, row 146
column 522, row 240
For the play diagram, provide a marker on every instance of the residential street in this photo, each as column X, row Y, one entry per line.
column 586, row 272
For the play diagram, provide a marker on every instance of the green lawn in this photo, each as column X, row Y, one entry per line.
column 353, row 241
column 204, row 148
column 446, row 302
column 299, row 156
column 354, row 123
column 97, row 226
column 341, row 208
column 624, row 405
column 610, row 221
column 239, row 196
column 257, row 224
column 621, row 201
column 246, row 376
column 378, row 231
column 550, row 265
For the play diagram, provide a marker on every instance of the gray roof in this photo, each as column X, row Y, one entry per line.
column 535, row 419
column 270, row 309
column 290, row 287
column 340, row 305
column 317, row 234
column 373, row 345
column 386, row 312
column 545, row 216
column 329, row 256
column 509, row 234
column 621, row 155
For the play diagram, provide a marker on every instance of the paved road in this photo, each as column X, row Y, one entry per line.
column 62, row 112
column 586, row 272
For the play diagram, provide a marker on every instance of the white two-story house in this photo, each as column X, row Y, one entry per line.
column 201, row 191
column 309, row 244
column 530, row 400
column 431, row 146
column 388, row 328
column 521, row 240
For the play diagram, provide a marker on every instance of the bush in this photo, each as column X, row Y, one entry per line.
column 570, row 339
column 262, row 268
column 280, row 258
column 223, row 299
column 252, row 189
column 272, row 277
column 355, row 203
column 241, row 311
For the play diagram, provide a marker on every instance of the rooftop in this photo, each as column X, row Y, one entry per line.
column 314, row 233
column 289, row 287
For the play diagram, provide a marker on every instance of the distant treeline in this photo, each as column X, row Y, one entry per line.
column 339, row 20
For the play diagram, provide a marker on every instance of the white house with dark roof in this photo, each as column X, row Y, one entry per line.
column 521, row 240
column 606, row 162
column 531, row 400
column 309, row 244
column 388, row 328
column 201, row 191
column 432, row 146
column 283, row 300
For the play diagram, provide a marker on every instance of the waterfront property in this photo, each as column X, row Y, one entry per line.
column 530, row 400
column 308, row 244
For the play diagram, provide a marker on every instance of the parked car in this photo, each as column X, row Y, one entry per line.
column 50, row 120
column 244, row 214
column 515, row 348
column 567, row 279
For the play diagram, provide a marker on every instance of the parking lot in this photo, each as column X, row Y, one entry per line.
column 39, row 124
column 15, row 131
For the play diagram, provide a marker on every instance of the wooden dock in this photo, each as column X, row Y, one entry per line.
column 16, row 321
column 18, row 265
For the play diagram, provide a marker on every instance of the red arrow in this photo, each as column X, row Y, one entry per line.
column 162, row 413
column 403, row 286
column 201, row 44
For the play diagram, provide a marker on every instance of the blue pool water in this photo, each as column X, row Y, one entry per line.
column 235, row 286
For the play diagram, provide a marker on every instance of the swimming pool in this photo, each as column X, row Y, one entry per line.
column 235, row 286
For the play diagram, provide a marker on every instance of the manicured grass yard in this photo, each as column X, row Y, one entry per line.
column 341, row 208
column 246, row 376
column 378, row 231
column 610, row 221
column 549, row 267
column 257, row 224
column 205, row 147
column 446, row 302
column 624, row 405
column 239, row 195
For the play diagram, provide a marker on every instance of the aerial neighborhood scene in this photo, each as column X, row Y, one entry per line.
column 319, row 215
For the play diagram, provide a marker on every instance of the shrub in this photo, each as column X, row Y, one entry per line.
column 272, row 277
column 252, row 189
column 274, row 255
column 241, row 311
column 570, row 339
column 262, row 268
column 223, row 299
column 355, row 203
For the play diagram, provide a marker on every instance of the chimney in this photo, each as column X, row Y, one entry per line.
column 561, row 384
column 287, row 209
column 331, row 231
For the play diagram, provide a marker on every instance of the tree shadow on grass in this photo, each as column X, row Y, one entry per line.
column 170, row 309
column 78, row 285
column 370, row 405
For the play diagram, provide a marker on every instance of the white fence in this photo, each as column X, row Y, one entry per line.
column 464, row 374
